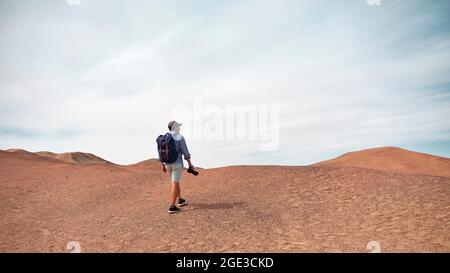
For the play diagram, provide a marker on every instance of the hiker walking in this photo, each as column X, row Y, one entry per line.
column 171, row 147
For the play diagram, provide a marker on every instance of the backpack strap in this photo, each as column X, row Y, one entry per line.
column 167, row 150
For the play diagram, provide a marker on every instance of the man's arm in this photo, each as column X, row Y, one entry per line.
column 190, row 164
column 185, row 152
column 162, row 163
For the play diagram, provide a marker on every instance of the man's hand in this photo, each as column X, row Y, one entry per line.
column 190, row 164
column 164, row 168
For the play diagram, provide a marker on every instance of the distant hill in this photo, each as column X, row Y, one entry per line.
column 80, row 158
column 19, row 151
column 151, row 161
column 393, row 159
column 71, row 157
column 46, row 153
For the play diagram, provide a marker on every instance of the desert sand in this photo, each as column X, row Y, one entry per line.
column 396, row 197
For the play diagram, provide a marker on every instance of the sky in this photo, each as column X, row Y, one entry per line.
column 106, row 76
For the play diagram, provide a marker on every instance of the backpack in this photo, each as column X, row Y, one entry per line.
column 167, row 149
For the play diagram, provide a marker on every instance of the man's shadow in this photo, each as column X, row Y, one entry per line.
column 217, row 206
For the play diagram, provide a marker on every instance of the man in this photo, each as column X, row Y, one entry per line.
column 176, row 168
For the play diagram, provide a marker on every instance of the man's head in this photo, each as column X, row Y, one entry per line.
column 174, row 126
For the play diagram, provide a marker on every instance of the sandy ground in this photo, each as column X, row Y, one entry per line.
column 46, row 202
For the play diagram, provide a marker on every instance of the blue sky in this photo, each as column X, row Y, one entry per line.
column 103, row 76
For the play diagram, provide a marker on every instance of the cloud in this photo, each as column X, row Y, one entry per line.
column 345, row 76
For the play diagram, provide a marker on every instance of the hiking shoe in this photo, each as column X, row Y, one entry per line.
column 182, row 202
column 174, row 209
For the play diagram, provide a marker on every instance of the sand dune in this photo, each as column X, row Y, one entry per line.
column 80, row 158
column 45, row 203
column 393, row 159
column 148, row 162
column 19, row 151
column 71, row 157
column 25, row 155
column 46, row 153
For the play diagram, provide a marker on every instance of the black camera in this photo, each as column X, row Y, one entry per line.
column 192, row 171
